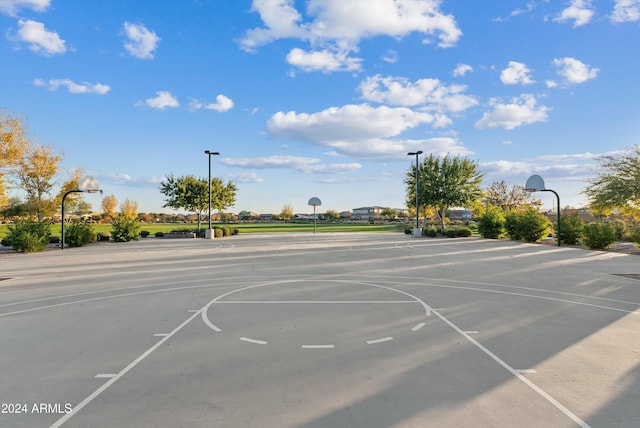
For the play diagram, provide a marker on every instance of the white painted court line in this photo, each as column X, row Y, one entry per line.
column 516, row 373
column 526, row 371
column 471, row 332
column 318, row 346
column 160, row 335
column 106, row 375
column 374, row 341
column 122, row 372
column 419, row 326
column 257, row 342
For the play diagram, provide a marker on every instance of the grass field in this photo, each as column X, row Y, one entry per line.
column 247, row 227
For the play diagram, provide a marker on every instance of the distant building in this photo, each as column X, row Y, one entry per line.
column 366, row 213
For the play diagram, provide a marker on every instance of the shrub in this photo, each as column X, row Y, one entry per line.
column 54, row 240
column 431, row 232
column 103, row 236
column 159, row 234
column 236, row 231
column 532, row 225
column 463, row 232
column 218, row 233
column 406, row 231
column 511, row 225
column 450, row 233
column 5, row 242
column 491, row 223
column 620, row 227
column 570, row 229
column 78, row 234
column 124, row 229
column 28, row 235
column 144, row 233
column 598, row 236
column 635, row 236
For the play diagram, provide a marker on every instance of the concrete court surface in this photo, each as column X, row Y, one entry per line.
column 327, row 330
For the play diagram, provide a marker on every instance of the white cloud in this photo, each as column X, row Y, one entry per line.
column 246, row 177
column 430, row 94
column 360, row 131
column 348, row 122
column 324, row 60
column 575, row 71
column 302, row 164
column 72, row 87
column 39, row 39
column 516, row 73
column 580, row 11
column 163, row 100
column 390, row 56
column 626, row 11
column 462, row 69
column 221, row 105
column 335, row 27
column 551, row 83
column 520, row 111
column 11, row 7
column 141, row 42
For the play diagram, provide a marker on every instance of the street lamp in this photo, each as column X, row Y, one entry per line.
column 208, row 234
column 416, row 232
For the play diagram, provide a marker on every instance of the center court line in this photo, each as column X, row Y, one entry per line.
column 318, row 346
column 374, row 341
column 120, row 374
column 516, row 373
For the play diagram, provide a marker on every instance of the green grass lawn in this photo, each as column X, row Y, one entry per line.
column 246, row 227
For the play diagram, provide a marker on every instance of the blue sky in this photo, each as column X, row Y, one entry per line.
column 322, row 97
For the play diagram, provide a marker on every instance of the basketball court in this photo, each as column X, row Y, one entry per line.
column 326, row 330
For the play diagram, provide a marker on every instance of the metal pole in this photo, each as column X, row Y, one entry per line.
column 558, row 198
column 63, row 198
column 417, row 203
column 209, row 192
column 418, row 153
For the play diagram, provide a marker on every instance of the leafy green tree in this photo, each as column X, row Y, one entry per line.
column 444, row 183
column 192, row 194
column 36, row 173
column 389, row 213
column 617, row 183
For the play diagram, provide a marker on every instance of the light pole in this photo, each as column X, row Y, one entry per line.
column 416, row 232
column 208, row 234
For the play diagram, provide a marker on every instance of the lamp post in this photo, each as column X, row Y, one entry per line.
column 65, row 197
column 208, row 234
column 416, row 232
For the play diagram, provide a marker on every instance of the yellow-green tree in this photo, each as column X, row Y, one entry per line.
column 129, row 209
column 36, row 173
column 14, row 145
column 109, row 207
column 286, row 213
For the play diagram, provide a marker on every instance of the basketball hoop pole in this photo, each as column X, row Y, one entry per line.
column 558, row 198
column 535, row 183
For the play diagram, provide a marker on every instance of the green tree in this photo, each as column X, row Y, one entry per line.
column 192, row 194
column 389, row 213
column 444, row 183
column 617, row 183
